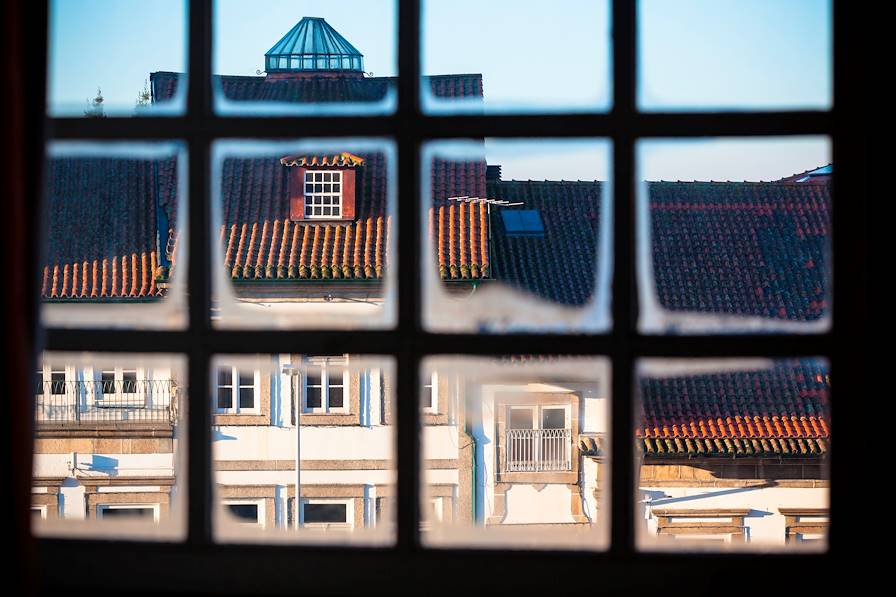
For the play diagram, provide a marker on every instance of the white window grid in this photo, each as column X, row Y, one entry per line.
column 236, row 385
column 323, row 194
column 326, row 373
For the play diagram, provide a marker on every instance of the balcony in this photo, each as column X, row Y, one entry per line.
column 105, row 403
column 538, row 450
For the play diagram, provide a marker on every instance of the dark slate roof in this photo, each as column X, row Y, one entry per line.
column 757, row 249
column 781, row 411
column 103, row 239
column 560, row 265
column 305, row 88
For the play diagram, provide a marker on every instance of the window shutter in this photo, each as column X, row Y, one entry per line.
column 348, row 194
column 297, row 194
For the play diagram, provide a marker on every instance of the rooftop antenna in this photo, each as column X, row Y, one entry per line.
column 486, row 200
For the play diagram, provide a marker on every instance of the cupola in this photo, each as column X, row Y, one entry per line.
column 313, row 46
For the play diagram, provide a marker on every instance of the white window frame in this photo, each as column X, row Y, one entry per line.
column 326, row 365
column 349, row 523
column 314, row 200
column 432, row 406
column 42, row 510
column 538, row 414
column 234, row 408
column 233, row 520
column 101, row 508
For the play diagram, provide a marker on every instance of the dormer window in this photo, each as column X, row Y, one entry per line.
column 323, row 194
column 322, row 187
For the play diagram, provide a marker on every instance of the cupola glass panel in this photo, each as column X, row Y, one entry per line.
column 313, row 45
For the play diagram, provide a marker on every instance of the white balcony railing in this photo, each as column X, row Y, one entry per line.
column 535, row 450
column 118, row 401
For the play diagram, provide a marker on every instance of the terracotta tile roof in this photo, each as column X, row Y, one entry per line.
column 560, row 265
column 780, row 412
column 316, row 89
column 339, row 160
column 103, row 240
column 756, row 249
column 459, row 229
column 260, row 241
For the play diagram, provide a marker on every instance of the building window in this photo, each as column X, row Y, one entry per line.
column 38, row 512
column 430, row 395
column 325, row 383
column 245, row 512
column 323, row 194
column 538, row 438
column 117, row 387
column 327, row 513
column 236, row 391
column 147, row 512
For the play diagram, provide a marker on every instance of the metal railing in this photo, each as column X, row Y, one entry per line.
column 118, row 401
column 533, row 450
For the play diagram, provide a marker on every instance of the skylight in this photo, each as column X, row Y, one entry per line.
column 523, row 222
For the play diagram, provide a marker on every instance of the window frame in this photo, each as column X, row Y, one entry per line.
column 324, row 364
column 309, row 197
column 234, row 520
column 104, row 564
column 155, row 508
column 235, row 387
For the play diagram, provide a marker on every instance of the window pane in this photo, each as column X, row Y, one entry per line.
column 225, row 397
column 244, row 512
column 134, row 53
column 130, row 513
column 247, row 397
column 139, row 464
column 225, row 376
column 517, row 235
column 112, row 249
column 338, row 58
column 276, row 266
column 335, row 396
column 749, row 254
column 525, row 473
column 319, row 513
column 312, row 397
column 346, row 457
column 57, row 384
column 733, row 453
column 526, row 57
column 741, row 54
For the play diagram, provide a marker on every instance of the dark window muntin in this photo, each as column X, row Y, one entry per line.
column 408, row 343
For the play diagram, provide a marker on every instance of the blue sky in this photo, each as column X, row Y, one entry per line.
column 707, row 54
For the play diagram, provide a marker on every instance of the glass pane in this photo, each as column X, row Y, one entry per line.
column 341, row 462
column 523, row 56
column 276, row 266
column 335, row 397
column 321, row 513
column 225, row 376
column 550, row 271
column 501, row 468
column 112, row 230
column 748, row 254
column 733, row 454
column 740, row 54
column 225, row 397
column 247, row 397
column 244, row 512
column 106, row 464
column 333, row 58
column 313, row 397
column 112, row 58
